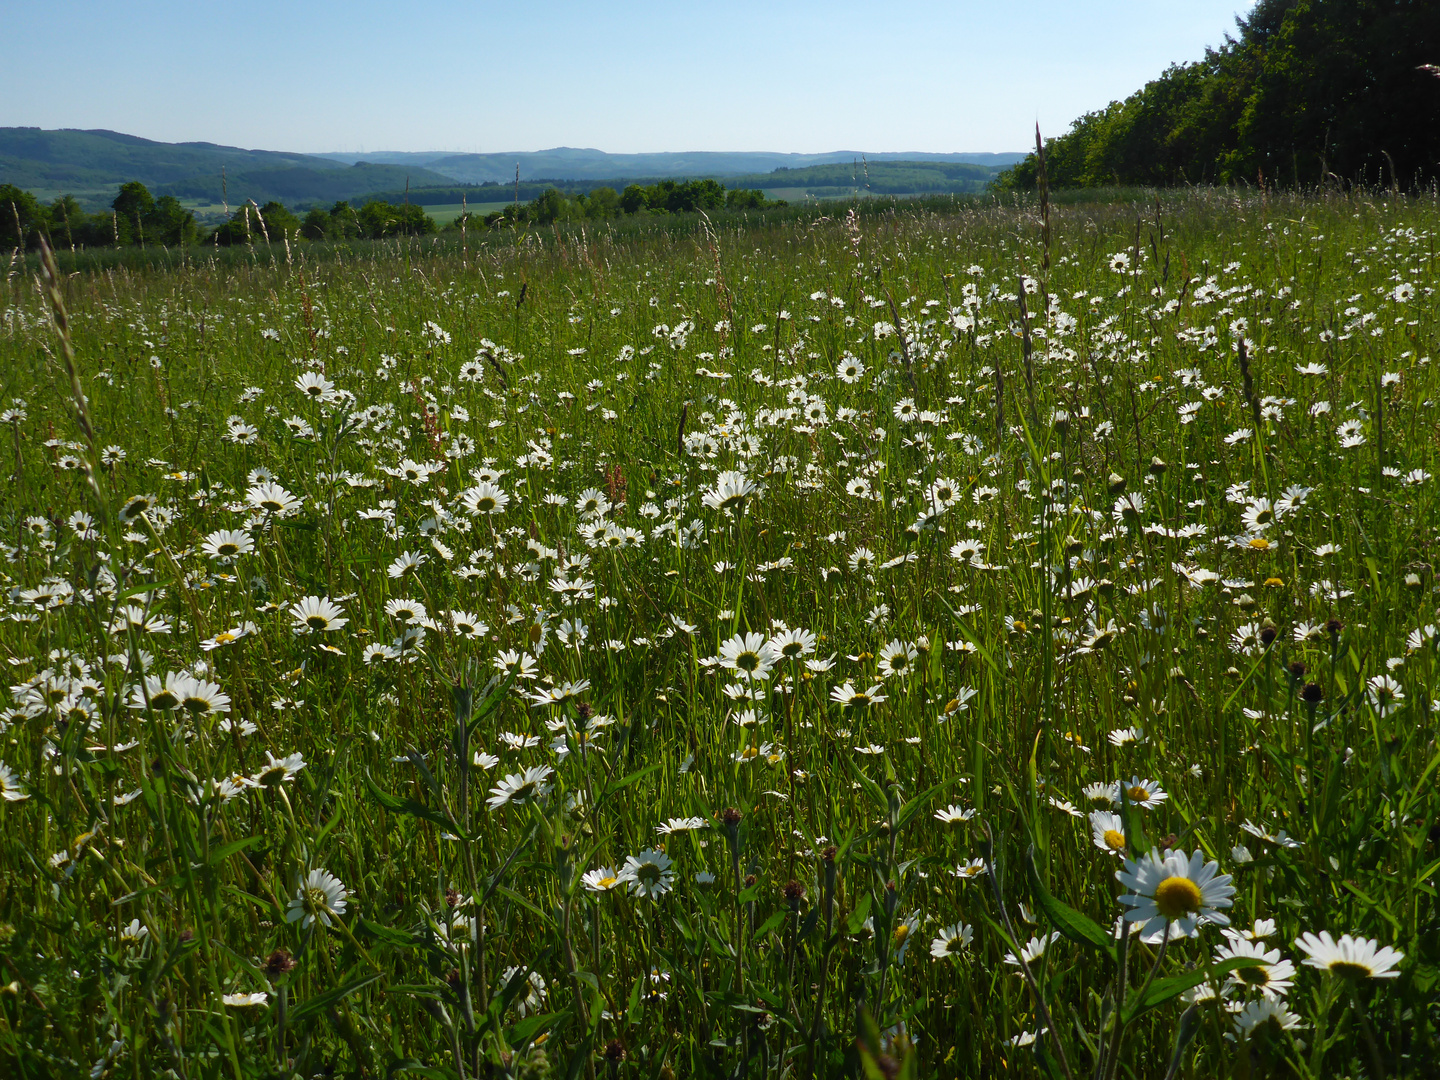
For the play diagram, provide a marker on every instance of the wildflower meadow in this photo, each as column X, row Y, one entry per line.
column 991, row 639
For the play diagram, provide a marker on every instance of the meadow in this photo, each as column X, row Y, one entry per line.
column 991, row 641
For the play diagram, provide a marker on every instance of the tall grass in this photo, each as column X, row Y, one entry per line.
column 1075, row 526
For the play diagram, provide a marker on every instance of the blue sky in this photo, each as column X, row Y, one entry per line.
column 638, row 76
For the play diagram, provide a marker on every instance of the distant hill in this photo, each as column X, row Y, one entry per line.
column 91, row 165
column 32, row 157
column 584, row 164
column 820, row 181
column 300, row 188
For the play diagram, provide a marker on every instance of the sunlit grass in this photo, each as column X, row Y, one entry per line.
column 464, row 582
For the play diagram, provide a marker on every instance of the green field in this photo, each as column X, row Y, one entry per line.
column 719, row 650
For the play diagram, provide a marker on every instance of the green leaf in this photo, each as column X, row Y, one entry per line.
column 387, row 934
column 871, row 788
column 860, row 914
column 526, row 1030
column 1077, row 927
column 220, row 854
column 915, row 805
column 321, row 1002
column 1162, row 990
column 416, row 1068
column 639, row 774
column 397, row 805
column 774, row 922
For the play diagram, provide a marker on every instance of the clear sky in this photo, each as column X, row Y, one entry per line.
column 787, row 75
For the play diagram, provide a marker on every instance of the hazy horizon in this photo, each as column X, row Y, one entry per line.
column 918, row 77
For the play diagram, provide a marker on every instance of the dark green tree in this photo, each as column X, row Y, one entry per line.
column 20, row 217
column 316, row 225
column 133, row 203
column 170, row 223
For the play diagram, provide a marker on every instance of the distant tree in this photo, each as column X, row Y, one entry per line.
column 632, row 199
column 316, row 225
column 67, row 221
column 344, row 224
column 20, row 216
column 745, row 199
column 1310, row 90
column 132, row 205
column 602, row 202
column 170, row 223
column 551, row 206
column 381, row 219
column 279, row 221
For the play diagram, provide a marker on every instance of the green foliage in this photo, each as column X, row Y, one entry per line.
column 1094, row 536
column 1311, row 91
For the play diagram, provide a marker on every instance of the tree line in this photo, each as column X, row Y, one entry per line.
column 137, row 217
column 1312, row 91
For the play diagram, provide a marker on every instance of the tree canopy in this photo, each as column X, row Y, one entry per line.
column 1311, row 90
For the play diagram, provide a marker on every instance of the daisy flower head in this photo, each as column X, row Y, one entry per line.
column 792, row 645
column 1265, row 1012
column 319, row 896
column 849, row 370
column 201, row 698
column 135, row 506
column 1137, row 792
column 11, row 790
column 270, row 498
column 315, row 386
column 602, row 879
column 1108, row 832
column 467, row 625
column 851, row 698
column 953, row 813
column 649, row 874
column 1384, row 695
column 317, row 615
column 952, row 941
column 748, row 655
column 241, row 1001
column 1271, row 975
column 1033, row 949
column 227, row 544
column 896, row 658
column 1350, row 957
column 1173, row 890
column 485, row 498
column 517, row 789
column 730, row 491
column 406, row 611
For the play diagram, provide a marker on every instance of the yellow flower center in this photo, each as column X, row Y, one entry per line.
column 1347, row 970
column 1138, row 794
column 1259, row 543
column 1114, row 839
column 901, row 933
column 1176, row 897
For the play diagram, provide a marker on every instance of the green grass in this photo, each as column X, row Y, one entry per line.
column 1055, row 636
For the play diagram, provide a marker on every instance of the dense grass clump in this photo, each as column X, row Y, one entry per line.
column 783, row 649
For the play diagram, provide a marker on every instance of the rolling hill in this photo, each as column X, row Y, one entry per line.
column 91, row 165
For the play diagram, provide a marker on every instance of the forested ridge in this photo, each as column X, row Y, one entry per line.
column 1309, row 91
